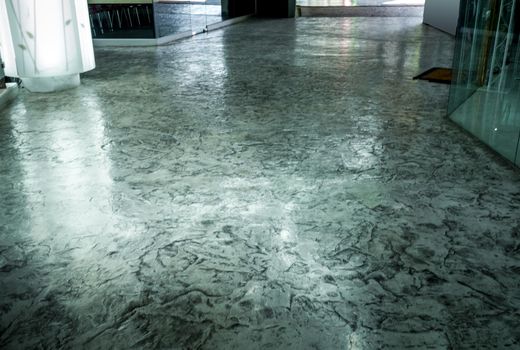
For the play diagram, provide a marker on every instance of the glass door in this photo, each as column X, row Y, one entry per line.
column 485, row 93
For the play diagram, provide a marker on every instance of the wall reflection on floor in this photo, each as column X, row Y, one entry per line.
column 360, row 2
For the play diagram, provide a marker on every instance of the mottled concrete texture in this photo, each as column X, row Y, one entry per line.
column 360, row 8
column 280, row 184
column 361, row 11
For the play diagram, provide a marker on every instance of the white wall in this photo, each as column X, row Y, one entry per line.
column 442, row 14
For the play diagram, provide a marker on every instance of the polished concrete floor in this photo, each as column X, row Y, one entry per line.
column 280, row 184
column 360, row 8
column 360, row 2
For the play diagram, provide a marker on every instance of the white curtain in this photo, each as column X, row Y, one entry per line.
column 45, row 38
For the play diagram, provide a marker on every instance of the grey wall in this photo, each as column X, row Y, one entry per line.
column 442, row 14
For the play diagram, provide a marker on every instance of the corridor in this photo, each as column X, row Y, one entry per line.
column 278, row 184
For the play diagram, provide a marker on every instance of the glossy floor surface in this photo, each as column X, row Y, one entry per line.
column 360, row 2
column 280, row 184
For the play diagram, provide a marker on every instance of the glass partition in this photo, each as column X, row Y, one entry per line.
column 143, row 19
column 213, row 12
column 172, row 17
column 198, row 16
column 116, row 19
column 485, row 93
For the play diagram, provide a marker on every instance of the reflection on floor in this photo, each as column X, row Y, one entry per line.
column 280, row 184
column 360, row 8
column 361, row 11
column 360, row 2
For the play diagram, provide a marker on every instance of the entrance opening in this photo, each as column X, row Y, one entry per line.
column 360, row 8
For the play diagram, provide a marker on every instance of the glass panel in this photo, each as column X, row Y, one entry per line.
column 172, row 17
column 198, row 16
column 485, row 94
column 213, row 11
column 121, row 19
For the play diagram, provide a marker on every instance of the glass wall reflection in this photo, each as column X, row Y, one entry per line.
column 485, row 93
column 116, row 19
column 181, row 16
column 172, row 17
column 213, row 12
column 148, row 19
